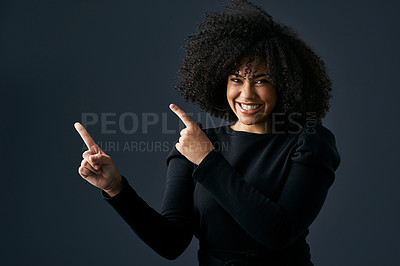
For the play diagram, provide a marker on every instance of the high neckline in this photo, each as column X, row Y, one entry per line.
column 231, row 131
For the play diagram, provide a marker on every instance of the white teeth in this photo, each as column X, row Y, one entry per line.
column 250, row 107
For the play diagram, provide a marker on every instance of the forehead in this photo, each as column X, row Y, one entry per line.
column 250, row 66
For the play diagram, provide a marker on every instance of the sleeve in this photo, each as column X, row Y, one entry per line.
column 276, row 224
column 168, row 233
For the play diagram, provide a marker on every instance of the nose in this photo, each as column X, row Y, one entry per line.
column 247, row 91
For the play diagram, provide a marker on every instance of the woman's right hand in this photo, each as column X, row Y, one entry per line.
column 97, row 167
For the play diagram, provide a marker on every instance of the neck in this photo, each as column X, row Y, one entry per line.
column 258, row 128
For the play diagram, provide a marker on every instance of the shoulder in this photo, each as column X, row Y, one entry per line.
column 317, row 133
column 316, row 145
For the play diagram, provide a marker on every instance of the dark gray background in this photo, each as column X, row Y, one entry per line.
column 61, row 59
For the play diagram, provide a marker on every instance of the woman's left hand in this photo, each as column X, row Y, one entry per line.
column 193, row 142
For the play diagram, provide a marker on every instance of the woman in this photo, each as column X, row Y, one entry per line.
column 248, row 191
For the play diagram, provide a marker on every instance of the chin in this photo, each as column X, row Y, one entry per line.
column 251, row 121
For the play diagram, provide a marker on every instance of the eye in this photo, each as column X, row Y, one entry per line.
column 236, row 80
column 262, row 81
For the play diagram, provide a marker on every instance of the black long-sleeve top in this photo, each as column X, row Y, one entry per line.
column 252, row 192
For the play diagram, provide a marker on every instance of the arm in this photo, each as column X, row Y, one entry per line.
column 168, row 233
column 274, row 224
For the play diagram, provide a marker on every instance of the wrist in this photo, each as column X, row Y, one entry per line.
column 115, row 188
column 204, row 156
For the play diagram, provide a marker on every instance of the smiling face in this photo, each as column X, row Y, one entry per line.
column 251, row 96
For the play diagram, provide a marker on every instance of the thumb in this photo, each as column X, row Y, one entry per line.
column 100, row 158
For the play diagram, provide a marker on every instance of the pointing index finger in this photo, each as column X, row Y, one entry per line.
column 182, row 115
column 86, row 137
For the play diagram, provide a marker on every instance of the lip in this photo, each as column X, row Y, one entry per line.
column 248, row 103
column 246, row 112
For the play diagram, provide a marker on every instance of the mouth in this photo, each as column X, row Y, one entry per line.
column 249, row 109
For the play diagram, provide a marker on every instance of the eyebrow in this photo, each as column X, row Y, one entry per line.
column 254, row 77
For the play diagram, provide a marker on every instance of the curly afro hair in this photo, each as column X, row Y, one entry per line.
column 244, row 29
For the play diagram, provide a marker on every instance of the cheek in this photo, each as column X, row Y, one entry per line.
column 269, row 96
column 272, row 98
column 230, row 94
